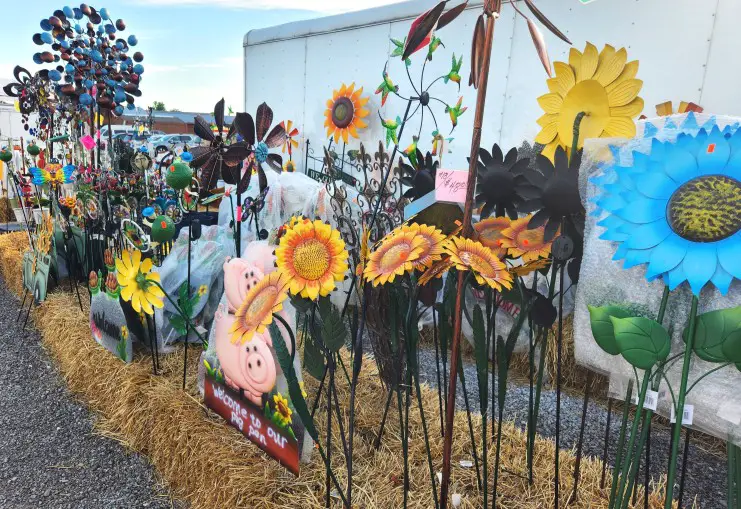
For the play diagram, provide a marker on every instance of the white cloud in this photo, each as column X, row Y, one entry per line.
column 326, row 6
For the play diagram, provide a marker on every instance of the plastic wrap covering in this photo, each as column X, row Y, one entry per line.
column 716, row 399
column 206, row 277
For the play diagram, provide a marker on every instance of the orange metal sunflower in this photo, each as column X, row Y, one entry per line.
column 345, row 113
column 261, row 301
column 489, row 233
column 521, row 242
column 467, row 254
column 396, row 254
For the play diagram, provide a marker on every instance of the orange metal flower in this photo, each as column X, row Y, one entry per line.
column 345, row 113
column 261, row 301
column 521, row 242
column 433, row 239
column 489, row 233
column 396, row 254
column 467, row 254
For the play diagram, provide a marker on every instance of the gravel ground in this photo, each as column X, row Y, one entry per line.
column 50, row 456
column 706, row 473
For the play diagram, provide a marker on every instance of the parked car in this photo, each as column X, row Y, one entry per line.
column 172, row 142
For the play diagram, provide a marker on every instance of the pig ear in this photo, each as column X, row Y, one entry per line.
column 226, row 261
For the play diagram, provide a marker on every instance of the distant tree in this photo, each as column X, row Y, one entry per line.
column 175, row 109
column 159, row 106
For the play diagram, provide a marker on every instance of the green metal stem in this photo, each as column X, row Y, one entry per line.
column 680, row 406
column 630, row 455
column 621, row 443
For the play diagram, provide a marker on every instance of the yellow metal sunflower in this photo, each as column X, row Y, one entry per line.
column 602, row 85
column 345, row 113
column 256, row 311
column 138, row 282
column 313, row 256
column 396, row 254
column 489, row 233
column 467, row 254
column 528, row 244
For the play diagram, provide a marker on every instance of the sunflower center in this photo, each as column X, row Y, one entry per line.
column 530, row 239
column 342, row 112
column 499, row 186
column 705, row 209
column 260, row 305
column 311, row 259
column 590, row 97
column 396, row 255
column 477, row 263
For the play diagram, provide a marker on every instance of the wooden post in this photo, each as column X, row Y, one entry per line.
column 492, row 9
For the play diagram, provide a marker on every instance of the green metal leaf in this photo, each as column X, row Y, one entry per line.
column 642, row 342
column 602, row 326
column 334, row 332
column 294, row 389
column 718, row 335
column 482, row 356
column 313, row 358
column 502, row 369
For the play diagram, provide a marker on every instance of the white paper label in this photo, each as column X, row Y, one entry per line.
column 687, row 415
column 652, row 399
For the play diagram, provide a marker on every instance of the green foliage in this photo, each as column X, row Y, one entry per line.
column 121, row 349
column 294, row 389
column 313, row 358
column 334, row 332
column 158, row 106
column 482, row 356
column 602, row 328
column 642, row 342
column 718, row 335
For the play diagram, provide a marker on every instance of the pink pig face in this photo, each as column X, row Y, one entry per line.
column 258, row 368
column 251, row 366
column 239, row 277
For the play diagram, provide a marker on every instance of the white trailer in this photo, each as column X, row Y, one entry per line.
column 686, row 50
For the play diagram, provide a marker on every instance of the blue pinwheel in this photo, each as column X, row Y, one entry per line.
column 677, row 210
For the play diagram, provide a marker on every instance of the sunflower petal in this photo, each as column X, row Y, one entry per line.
column 629, row 72
column 632, row 109
column 624, row 93
column 551, row 103
column 136, row 302
column 146, row 306
column 589, row 61
column 547, row 134
column 127, row 291
column 146, row 266
column 611, row 69
column 575, row 60
column 620, row 127
column 565, row 76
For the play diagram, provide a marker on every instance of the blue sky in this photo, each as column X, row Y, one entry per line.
column 192, row 48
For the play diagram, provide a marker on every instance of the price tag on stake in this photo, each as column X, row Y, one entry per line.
column 687, row 415
column 652, row 399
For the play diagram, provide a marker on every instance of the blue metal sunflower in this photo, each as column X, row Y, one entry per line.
column 678, row 210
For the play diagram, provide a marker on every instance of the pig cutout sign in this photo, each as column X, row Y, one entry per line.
column 247, row 370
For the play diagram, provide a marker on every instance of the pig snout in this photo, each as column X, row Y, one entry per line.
column 258, row 366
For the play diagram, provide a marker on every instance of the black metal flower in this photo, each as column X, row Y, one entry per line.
column 558, row 197
column 261, row 139
column 25, row 89
column 419, row 176
column 503, row 183
column 220, row 159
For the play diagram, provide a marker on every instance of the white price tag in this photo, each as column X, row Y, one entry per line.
column 652, row 399
column 687, row 415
